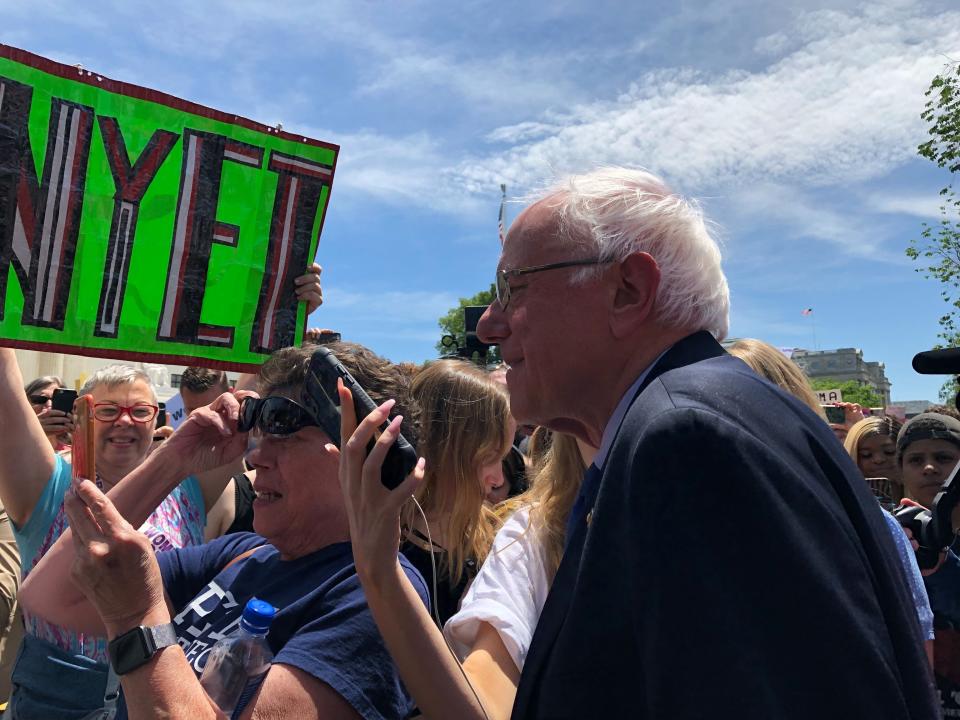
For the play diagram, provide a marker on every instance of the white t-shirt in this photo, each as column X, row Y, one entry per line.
column 508, row 592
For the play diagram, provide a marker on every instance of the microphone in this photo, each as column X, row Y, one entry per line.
column 938, row 362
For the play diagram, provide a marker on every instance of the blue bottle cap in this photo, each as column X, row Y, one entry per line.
column 257, row 616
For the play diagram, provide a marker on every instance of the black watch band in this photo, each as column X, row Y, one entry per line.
column 135, row 647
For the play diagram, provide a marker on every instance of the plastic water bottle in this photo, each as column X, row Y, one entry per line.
column 237, row 663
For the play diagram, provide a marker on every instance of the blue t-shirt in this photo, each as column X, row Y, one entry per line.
column 323, row 625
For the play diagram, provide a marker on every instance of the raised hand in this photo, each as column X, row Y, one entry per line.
column 55, row 422
column 373, row 510
column 308, row 288
column 114, row 566
column 209, row 438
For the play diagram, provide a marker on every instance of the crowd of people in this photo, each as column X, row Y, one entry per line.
column 682, row 535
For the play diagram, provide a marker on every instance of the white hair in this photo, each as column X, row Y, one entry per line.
column 114, row 375
column 619, row 211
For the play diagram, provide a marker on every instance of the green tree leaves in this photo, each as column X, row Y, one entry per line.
column 937, row 250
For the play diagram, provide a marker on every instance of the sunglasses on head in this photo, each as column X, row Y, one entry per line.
column 274, row 416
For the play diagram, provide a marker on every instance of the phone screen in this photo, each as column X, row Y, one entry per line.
column 63, row 399
column 835, row 415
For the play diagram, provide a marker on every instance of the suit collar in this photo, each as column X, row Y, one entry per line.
column 693, row 348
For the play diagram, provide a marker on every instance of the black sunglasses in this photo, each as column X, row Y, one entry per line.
column 274, row 416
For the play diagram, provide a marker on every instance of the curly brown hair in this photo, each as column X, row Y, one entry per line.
column 382, row 379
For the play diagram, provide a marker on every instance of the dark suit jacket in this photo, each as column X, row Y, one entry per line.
column 735, row 566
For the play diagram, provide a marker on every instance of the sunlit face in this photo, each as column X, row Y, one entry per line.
column 877, row 457
column 546, row 314
column 926, row 466
column 299, row 503
column 494, row 482
column 121, row 445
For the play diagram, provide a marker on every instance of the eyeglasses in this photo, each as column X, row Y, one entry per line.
column 503, row 276
column 274, row 416
column 111, row 412
column 39, row 399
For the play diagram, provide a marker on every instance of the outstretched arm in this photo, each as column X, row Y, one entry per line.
column 26, row 456
column 485, row 686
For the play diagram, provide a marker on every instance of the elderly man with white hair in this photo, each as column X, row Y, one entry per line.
column 724, row 557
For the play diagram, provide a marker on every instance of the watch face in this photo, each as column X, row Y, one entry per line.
column 129, row 651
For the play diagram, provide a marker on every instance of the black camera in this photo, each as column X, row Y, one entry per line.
column 473, row 347
column 933, row 528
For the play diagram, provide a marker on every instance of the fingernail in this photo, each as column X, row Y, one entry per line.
column 388, row 405
column 421, row 463
column 395, row 424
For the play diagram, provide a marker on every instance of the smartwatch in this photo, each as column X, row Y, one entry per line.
column 135, row 647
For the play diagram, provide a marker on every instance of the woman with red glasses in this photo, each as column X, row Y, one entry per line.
column 59, row 673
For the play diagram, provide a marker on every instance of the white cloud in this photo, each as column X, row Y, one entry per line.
column 772, row 44
column 490, row 84
column 399, row 170
column 922, row 206
column 842, row 108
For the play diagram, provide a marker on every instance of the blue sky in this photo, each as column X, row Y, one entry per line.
column 795, row 125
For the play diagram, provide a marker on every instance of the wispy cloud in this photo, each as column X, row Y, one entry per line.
column 842, row 107
column 927, row 207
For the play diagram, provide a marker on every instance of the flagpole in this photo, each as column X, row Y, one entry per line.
column 503, row 206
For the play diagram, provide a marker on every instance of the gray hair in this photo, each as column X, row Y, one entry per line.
column 35, row 386
column 114, row 375
column 619, row 211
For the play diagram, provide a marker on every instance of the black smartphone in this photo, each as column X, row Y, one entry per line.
column 322, row 399
column 63, row 400
column 835, row 415
column 161, row 414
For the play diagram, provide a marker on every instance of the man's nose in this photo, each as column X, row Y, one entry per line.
column 492, row 327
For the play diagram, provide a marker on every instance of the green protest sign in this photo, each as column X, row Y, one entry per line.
column 135, row 224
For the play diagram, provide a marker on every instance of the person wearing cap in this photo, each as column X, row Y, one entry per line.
column 928, row 448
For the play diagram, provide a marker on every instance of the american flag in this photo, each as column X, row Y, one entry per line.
column 806, row 311
column 503, row 203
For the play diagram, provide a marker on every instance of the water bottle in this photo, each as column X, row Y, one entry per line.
column 237, row 664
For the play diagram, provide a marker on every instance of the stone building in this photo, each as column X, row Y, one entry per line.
column 844, row 364
column 75, row 369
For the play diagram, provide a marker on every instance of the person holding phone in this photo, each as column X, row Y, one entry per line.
column 329, row 661
column 61, row 673
column 57, row 422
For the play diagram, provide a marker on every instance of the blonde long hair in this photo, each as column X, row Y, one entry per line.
column 557, row 475
column 768, row 362
column 464, row 425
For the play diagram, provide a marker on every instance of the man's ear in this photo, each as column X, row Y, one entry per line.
column 638, row 278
